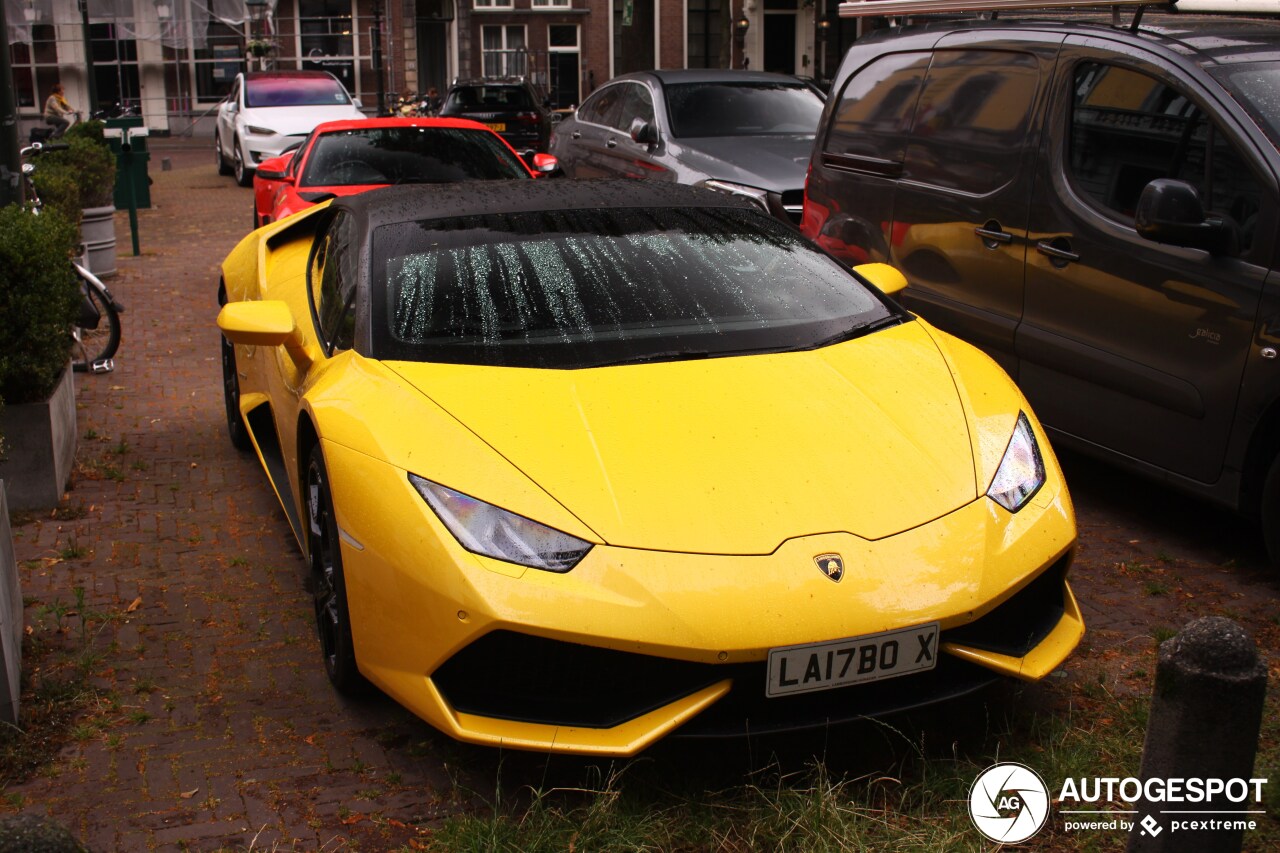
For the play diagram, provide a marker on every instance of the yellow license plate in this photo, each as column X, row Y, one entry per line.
column 496, row 127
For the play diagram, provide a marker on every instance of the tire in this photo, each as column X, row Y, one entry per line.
column 236, row 429
column 223, row 168
column 100, row 343
column 324, row 552
column 1271, row 512
column 243, row 174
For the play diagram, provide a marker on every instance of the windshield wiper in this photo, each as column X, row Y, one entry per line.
column 856, row 331
column 664, row 355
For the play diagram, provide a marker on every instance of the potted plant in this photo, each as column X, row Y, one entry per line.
column 89, row 166
column 40, row 300
column 259, row 47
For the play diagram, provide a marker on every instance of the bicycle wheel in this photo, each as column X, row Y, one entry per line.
column 98, row 344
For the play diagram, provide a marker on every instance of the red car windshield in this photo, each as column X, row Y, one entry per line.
column 295, row 92
column 408, row 155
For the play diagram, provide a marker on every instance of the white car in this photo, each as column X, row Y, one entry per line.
column 270, row 111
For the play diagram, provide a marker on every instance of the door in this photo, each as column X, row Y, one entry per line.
column 960, row 211
column 1132, row 345
column 780, row 42
column 225, row 132
column 582, row 153
column 622, row 156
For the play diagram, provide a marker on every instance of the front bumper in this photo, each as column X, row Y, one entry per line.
column 633, row 645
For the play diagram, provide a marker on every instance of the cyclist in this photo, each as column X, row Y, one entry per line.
column 57, row 109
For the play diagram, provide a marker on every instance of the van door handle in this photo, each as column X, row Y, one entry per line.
column 576, row 135
column 993, row 235
column 611, row 143
column 1059, row 251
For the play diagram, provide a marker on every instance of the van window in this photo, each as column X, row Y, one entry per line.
column 972, row 119
column 1127, row 129
column 875, row 109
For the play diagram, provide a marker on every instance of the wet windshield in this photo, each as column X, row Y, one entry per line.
column 584, row 288
column 409, row 155
column 741, row 109
column 1257, row 87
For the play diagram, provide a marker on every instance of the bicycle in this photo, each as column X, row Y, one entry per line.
column 96, row 334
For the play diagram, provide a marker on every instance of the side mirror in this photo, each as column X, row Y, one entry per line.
column 643, row 133
column 268, row 323
column 275, row 169
column 1170, row 211
column 886, row 278
column 544, row 164
column 357, row 103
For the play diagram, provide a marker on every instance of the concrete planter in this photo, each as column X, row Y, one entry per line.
column 10, row 621
column 40, row 446
column 98, row 231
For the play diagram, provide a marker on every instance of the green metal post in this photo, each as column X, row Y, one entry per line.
column 133, row 192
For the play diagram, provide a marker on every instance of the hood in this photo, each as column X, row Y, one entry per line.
column 288, row 121
column 774, row 162
column 729, row 455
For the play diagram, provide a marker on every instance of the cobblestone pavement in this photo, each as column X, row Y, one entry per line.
column 225, row 733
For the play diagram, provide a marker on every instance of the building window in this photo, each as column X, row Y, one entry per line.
column 708, row 21
column 326, row 38
column 550, row 4
column 217, row 61
column 504, row 53
column 35, row 68
column 494, row 4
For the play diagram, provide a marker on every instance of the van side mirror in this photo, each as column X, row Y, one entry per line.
column 643, row 133
column 1170, row 211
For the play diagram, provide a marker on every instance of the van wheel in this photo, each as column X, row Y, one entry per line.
column 1271, row 511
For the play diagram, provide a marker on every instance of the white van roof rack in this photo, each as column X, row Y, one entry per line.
column 890, row 8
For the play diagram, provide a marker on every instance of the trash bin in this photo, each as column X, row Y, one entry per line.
column 131, row 164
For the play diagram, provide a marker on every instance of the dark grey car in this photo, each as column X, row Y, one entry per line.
column 739, row 132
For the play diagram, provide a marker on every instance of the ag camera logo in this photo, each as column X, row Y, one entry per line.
column 1009, row 803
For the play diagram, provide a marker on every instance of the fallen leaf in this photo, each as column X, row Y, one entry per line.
column 137, row 602
column 186, row 795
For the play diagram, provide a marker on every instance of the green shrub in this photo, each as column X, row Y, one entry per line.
column 39, row 301
column 88, row 163
column 59, row 190
column 91, row 129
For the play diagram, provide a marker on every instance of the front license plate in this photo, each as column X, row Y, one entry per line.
column 496, row 127
column 823, row 666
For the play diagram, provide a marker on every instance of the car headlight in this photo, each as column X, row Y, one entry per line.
column 755, row 194
column 1021, row 471
column 493, row 532
column 261, row 131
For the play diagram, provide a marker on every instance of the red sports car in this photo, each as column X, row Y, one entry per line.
column 347, row 157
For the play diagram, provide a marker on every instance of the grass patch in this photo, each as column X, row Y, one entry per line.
column 915, row 800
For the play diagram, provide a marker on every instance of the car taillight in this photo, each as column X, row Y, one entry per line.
column 527, row 118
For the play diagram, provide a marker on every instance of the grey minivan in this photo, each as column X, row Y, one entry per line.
column 1095, row 206
column 739, row 132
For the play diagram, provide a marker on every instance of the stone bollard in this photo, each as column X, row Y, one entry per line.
column 1206, row 712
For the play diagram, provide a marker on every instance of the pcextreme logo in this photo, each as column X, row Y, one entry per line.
column 1009, row 802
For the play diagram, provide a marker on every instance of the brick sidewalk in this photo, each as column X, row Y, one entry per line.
column 227, row 733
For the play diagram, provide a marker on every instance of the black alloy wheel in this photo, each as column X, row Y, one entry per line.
column 237, row 431
column 333, row 621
